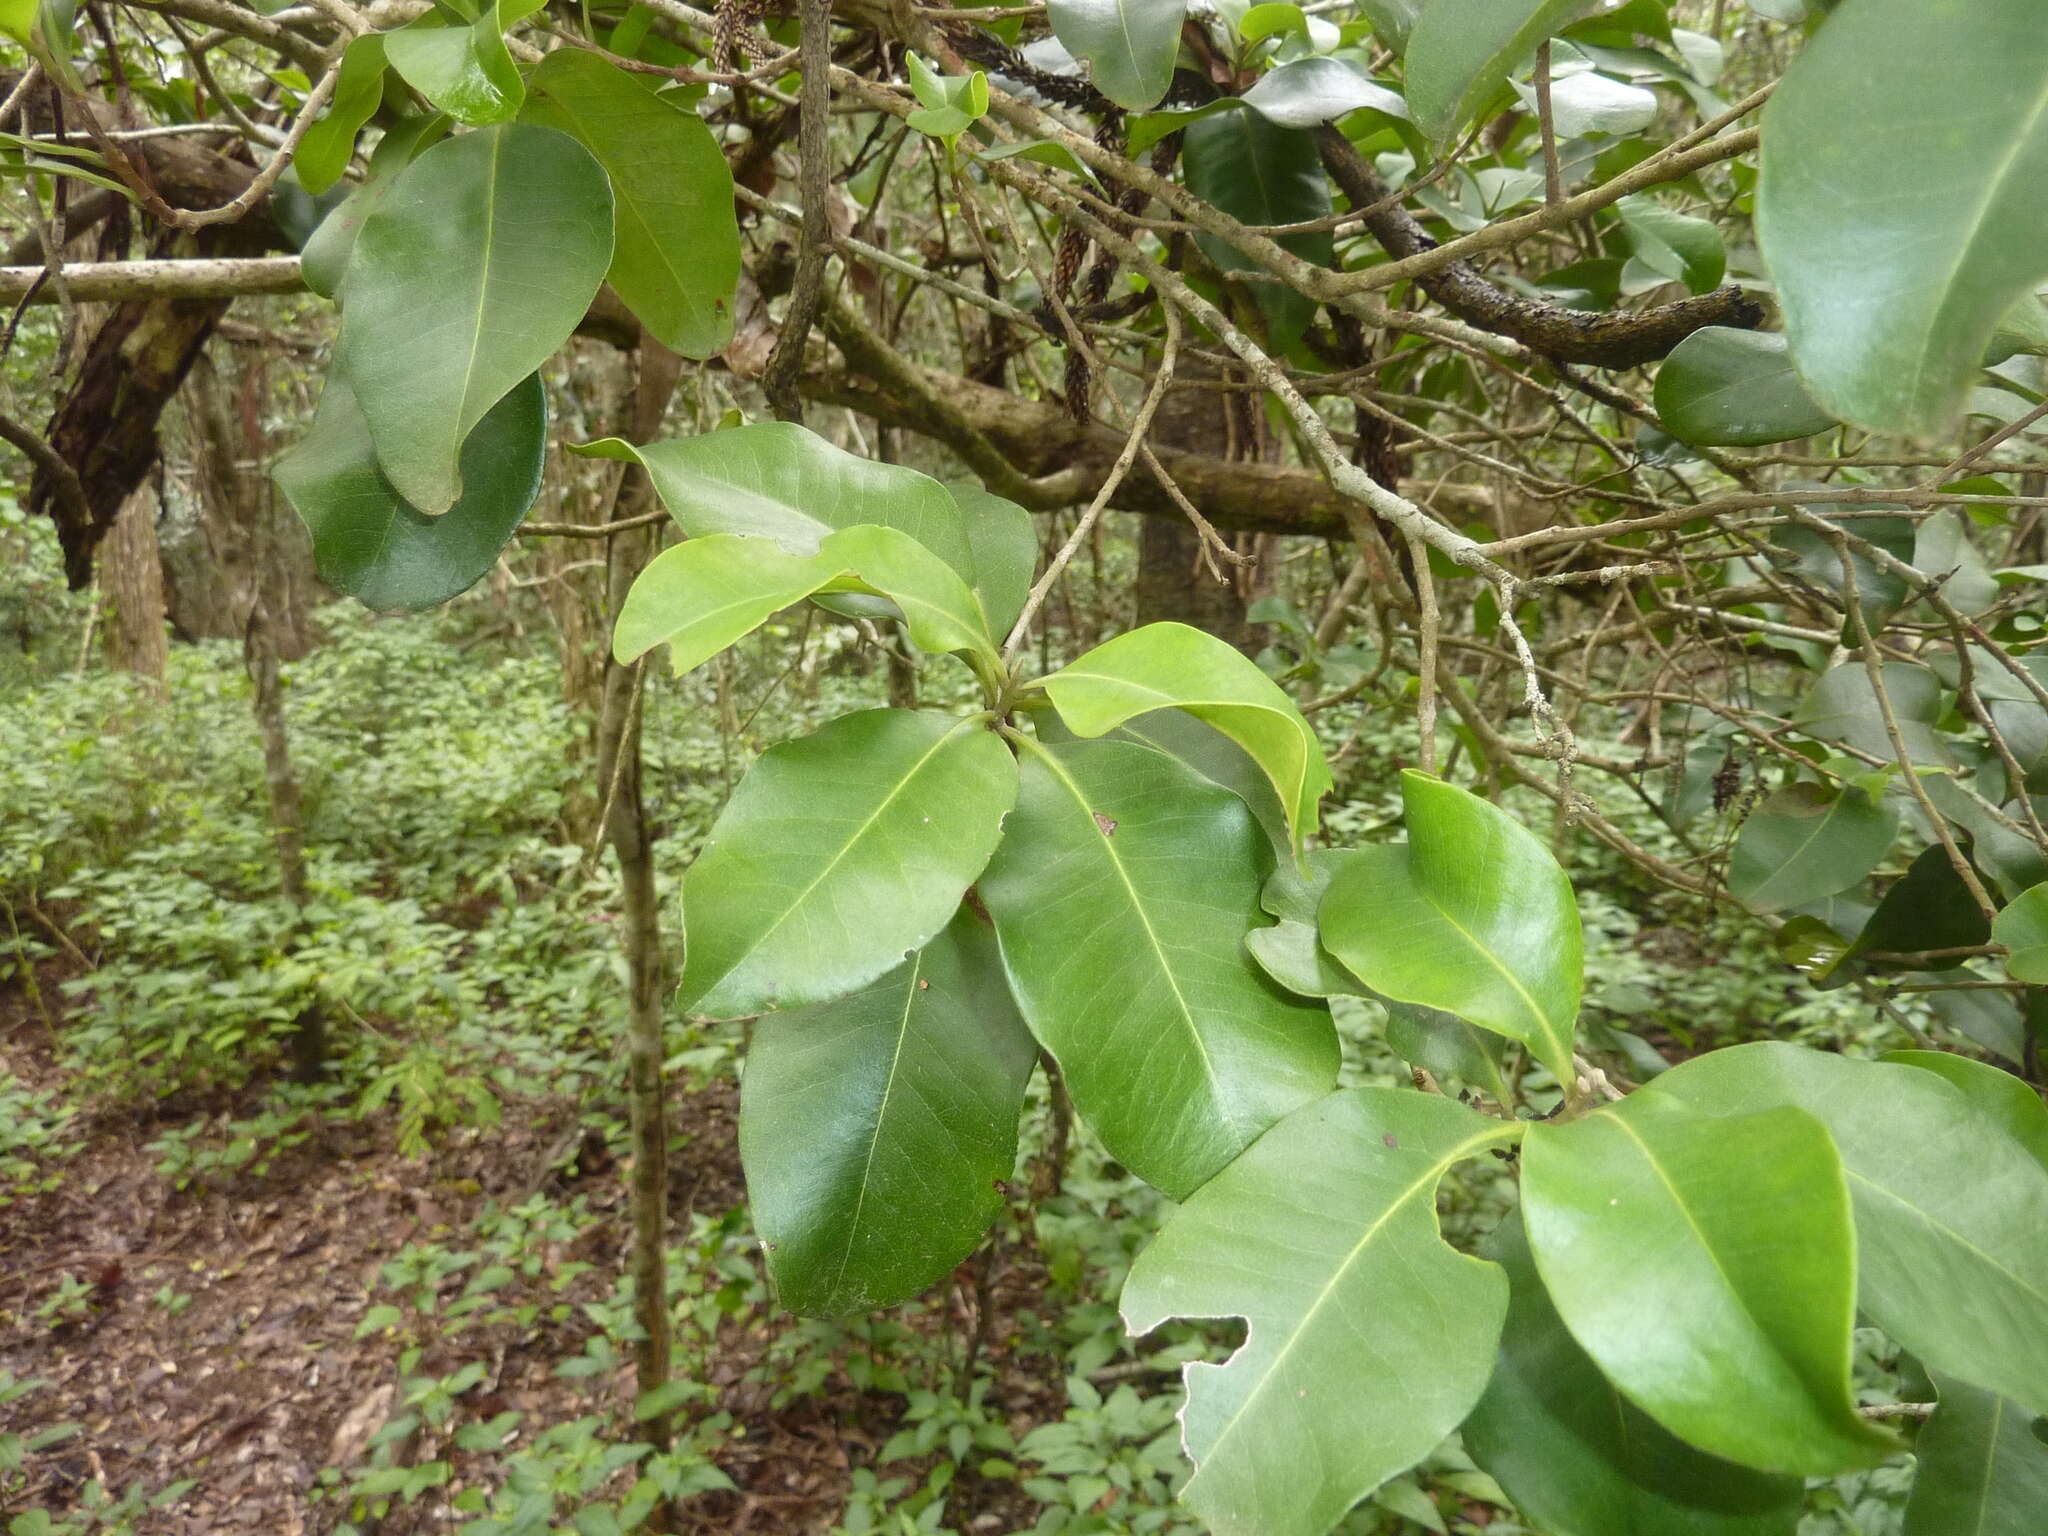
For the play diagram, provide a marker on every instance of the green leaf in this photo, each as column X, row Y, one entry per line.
column 1004, row 548
column 324, row 259
column 877, row 1130
column 1928, row 907
column 2002, row 1097
column 1708, row 1265
column 1122, row 893
column 323, row 153
column 775, row 480
column 1807, row 842
column 1580, row 1459
column 1951, row 1215
column 1900, row 231
column 1319, row 90
column 1471, row 916
column 1843, row 707
column 1392, row 20
column 1461, row 52
column 1724, row 387
column 940, row 611
column 1981, row 1468
column 1367, row 1339
column 1173, row 666
column 370, row 543
column 838, row 855
column 704, row 594
column 1212, row 755
column 467, row 277
column 1291, row 952
column 2022, row 928
column 1675, row 245
column 1128, row 45
column 676, row 262
column 1261, row 174
column 464, row 70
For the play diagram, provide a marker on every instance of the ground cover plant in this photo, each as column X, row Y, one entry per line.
column 1085, row 767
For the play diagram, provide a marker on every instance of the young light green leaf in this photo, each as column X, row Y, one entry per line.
column 940, row 611
column 370, row 543
column 323, row 153
column 1368, row 1338
column 775, row 480
column 1807, row 842
column 705, row 594
column 1981, row 1468
column 1722, row 386
column 1122, row 893
column 2002, row 1097
column 838, row 855
column 470, row 273
column 1173, row 666
column 1951, row 1214
column 1460, row 52
column 1899, row 232
column 1128, row 45
column 876, row 1130
column 1708, row 1265
column 1471, row 916
column 464, row 70
column 676, row 262
column 1580, row 1459
column 2022, row 927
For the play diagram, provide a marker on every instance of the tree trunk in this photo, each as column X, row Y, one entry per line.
column 1175, row 582
column 259, row 656
column 132, row 577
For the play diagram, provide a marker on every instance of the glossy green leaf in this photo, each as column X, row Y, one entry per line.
column 1212, row 755
column 1471, row 916
column 1004, row 547
column 2008, row 1100
column 839, row 854
column 324, row 259
column 1128, row 45
column 1319, row 90
column 1708, row 1266
column 1807, row 841
column 775, row 480
column 1722, row 386
column 1367, row 1338
column 471, row 272
column 676, row 261
column 1899, row 229
column 1981, row 1470
column 1174, row 666
column 1928, row 907
column 1951, row 1214
column 704, row 594
column 1578, row 1458
column 1122, row 893
column 1291, row 951
column 1461, row 52
column 2022, row 927
column 369, row 543
column 1842, row 707
column 323, row 153
column 1261, row 174
column 877, row 1130
column 464, row 70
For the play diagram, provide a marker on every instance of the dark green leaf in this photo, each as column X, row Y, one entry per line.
column 1981, row 1469
column 1471, row 916
column 677, row 258
column 1898, row 230
column 1843, row 707
column 1578, row 1458
column 370, row 543
column 1368, row 1338
column 1928, row 907
column 1708, row 1265
column 1722, row 386
column 1261, row 174
column 1122, row 893
column 1675, row 245
column 464, row 281
column 877, row 1130
column 1806, row 842
column 324, row 258
column 838, row 855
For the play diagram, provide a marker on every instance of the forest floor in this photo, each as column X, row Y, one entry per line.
column 215, row 1333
